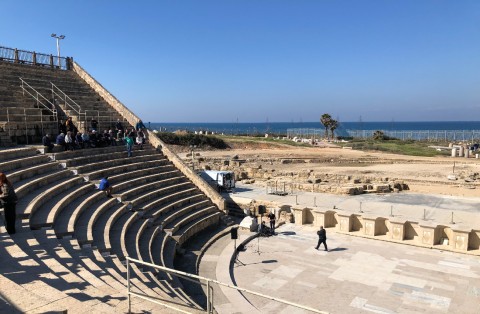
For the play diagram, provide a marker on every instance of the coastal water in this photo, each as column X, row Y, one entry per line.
column 281, row 127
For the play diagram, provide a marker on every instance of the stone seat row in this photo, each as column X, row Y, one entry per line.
column 72, row 209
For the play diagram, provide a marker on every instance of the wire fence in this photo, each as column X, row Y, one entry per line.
column 424, row 135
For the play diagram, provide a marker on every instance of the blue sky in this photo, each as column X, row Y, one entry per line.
column 253, row 60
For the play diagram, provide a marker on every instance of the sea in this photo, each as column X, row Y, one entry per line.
column 280, row 128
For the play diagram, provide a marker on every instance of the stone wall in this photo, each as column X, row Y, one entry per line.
column 216, row 198
column 392, row 229
column 189, row 173
column 304, row 180
column 106, row 95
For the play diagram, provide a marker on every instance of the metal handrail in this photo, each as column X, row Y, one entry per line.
column 37, row 97
column 65, row 97
column 208, row 283
column 81, row 115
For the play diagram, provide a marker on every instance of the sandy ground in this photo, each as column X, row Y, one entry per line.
column 423, row 174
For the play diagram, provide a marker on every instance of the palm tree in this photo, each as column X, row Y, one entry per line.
column 326, row 119
column 333, row 126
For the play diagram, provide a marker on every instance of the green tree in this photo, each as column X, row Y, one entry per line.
column 333, row 126
column 326, row 119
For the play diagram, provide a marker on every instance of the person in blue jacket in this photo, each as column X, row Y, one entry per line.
column 105, row 186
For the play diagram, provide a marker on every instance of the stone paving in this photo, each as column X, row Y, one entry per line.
column 357, row 275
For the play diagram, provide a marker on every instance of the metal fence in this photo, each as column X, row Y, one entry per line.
column 425, row 135
column 31, row 57
column 207, row 282
column 428, row 135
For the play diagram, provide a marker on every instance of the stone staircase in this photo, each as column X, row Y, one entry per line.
column 71, row 242
column 24, row 121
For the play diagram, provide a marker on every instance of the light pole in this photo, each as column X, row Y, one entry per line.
column 58, row 46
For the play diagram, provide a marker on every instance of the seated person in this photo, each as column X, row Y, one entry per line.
column 60, row 139
column 264, row 230
column 86, row 139
column 69, row 141
column 112, row 136
column 106, row 138
column 94, row 139
column 105, row 186
column 47, row 143
column 79, row 140
column 139, row 141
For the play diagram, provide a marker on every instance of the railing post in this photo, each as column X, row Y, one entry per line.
column 15, row 58
column 34, row 58
column 208, row 297
column 51, row 61
column 128, row 287
column 26, row 128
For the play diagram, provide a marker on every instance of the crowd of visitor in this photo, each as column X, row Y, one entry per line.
column 70, row 138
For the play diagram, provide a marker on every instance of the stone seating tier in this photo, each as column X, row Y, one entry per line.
column 11, row 95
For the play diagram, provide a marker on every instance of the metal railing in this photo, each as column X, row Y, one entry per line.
column 204, row 281
column 428, row 135
column 425, row 135
column 24, row 114
column 31, row 57
column 39, row 98
column 57, row 93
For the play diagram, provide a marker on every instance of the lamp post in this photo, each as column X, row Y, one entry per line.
column 58, row 46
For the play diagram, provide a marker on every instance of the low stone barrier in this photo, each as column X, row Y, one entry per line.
column 393, row 229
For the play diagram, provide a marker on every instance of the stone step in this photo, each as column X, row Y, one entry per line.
column 17, row 153
column 135, row 191
column 45, row 196
column 123, row 160
column 116, row 154
column 138, row 202
column 21, row 162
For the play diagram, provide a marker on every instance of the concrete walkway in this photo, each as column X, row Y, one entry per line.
column 357, row 275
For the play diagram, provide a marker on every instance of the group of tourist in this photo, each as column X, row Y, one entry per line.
column 70, row 138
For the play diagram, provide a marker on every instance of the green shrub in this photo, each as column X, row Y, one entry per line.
column 192, row 139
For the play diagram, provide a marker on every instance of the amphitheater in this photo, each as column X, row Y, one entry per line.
column 77, row 251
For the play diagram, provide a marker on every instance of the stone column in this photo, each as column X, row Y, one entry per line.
column 428, row 235
column 397, row 230
column 344, row 222
column 460, row 239
column 323, row 217
column 369, row 225
column 299, row 215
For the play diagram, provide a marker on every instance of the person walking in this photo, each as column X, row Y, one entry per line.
column 322, row 238
column 8, row 199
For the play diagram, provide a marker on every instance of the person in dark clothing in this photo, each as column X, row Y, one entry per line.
column 272, row 217
column 94, row 124
column 105, row 186
column 47, row 142
column 322, row 238
column 61, row 139
column 119, row 125
column 8, row 199
column 61, row 127
column 139, row 126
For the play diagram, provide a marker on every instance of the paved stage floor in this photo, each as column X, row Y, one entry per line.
column 357, row 275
